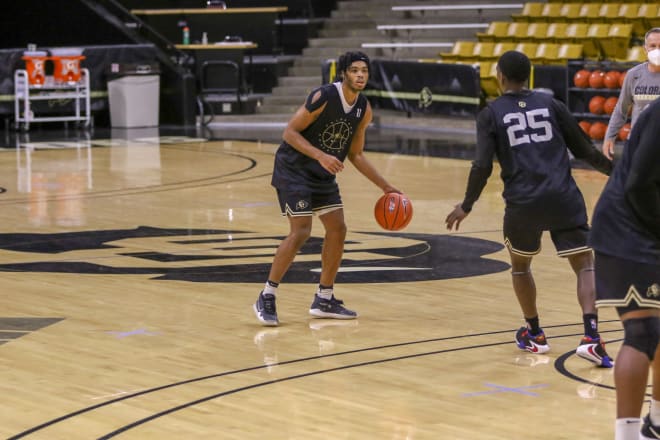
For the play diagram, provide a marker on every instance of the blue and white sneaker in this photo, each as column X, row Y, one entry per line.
column 330, row 308
column 593, row 350
column 265, row 310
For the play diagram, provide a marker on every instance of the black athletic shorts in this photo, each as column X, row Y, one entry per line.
column 522, row 237
column 298, row 204
column 625, row 284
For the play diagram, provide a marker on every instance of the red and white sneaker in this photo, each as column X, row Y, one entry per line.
column 533, row 343
column 593, row 350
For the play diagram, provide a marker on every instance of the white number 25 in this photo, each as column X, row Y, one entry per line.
column 531, row 126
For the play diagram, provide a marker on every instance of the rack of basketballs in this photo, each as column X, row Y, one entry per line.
column 593, row 92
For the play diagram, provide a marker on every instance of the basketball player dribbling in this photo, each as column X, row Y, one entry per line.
column 530, row 132
column 323, row 132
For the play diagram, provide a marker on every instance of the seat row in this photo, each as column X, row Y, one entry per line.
column 471, row 52
column 600, row 40
column 642, row 16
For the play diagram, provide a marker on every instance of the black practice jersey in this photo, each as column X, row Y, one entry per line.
column 626, row 220
column 332, row 132
column 530, row 132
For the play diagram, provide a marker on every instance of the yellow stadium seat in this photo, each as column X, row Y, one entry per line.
column 546, row 53
column 636, row 54
column 570, row 51
column 532, row 11
column 551, row 12
column 497, row 30
column 618, row 40
column 461, row 49
column 488, row 79
column 569, row 12
column 502, row 47
column 528, row 49
column 649, row 14
column 608, row 12
column 556, row 32
column 537, row 31
column 576, row 32
column 590, row 11
column 592, row 43
column 629, row 13
column 517, row 31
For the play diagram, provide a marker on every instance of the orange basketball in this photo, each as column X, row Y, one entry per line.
column 610, row 103
column 624, row 131
column 611, row 79
column 597, row 105
column 581, row 78
column 597, row 79
column 393, row 211
column 622, row 76
column 597, row 130
column 585, row 126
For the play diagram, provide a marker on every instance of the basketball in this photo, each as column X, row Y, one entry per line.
column 585, row 126
column 393, row 211
column 581, row 78
column 624, row 131
column 597, row 130
column 622, row 76
column 597, row 79
column 611, row 79
column 597, row 105
column 610, row 103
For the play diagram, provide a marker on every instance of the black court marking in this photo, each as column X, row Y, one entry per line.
column 286, row 379
column 418, row 257
column 15, row 327
column 151, row 189
column 560, row 366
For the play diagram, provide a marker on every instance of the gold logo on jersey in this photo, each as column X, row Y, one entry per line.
column 653, row 291
column 335, row 136
column 522, row 104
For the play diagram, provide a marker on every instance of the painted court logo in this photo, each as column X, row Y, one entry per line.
column 226, row 256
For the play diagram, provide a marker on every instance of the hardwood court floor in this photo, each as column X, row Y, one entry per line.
column 129, row 267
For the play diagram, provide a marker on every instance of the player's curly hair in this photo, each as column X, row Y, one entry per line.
column 349, row 58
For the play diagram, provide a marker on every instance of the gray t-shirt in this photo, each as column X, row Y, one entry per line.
column 640, row 88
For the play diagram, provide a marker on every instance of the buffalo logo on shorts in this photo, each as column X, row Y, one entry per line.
column 301, row 205
column 653, row 291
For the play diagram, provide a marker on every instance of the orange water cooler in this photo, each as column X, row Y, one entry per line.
column 66, row 62
column 35, row 65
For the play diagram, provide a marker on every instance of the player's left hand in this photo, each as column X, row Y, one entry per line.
column 455, row 217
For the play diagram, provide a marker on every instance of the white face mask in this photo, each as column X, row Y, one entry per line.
column 654, row 57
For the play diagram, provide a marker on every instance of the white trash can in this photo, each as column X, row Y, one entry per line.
column 134, row 98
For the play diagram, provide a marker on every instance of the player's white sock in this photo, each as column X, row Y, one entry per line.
column 325, row 293
column 627, row 428
column 270, row 288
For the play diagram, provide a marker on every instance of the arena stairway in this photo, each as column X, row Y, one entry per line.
column 354, row 23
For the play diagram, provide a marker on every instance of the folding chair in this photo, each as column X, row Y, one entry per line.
column 221, row 81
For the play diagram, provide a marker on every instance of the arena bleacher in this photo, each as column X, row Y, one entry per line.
column 264, row 55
